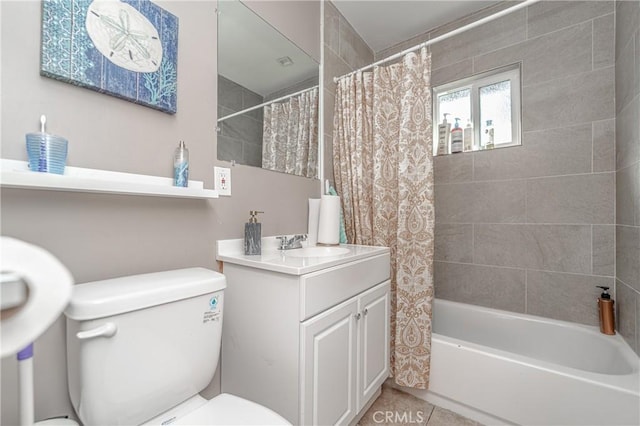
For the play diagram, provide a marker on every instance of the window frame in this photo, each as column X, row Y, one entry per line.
column 474, row 82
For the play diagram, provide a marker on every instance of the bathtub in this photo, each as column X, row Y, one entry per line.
column 501, row 367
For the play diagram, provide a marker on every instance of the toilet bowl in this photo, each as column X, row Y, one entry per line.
column 224, row 409
column 141, row 348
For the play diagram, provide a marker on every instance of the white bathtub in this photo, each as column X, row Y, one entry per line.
column 502, row 367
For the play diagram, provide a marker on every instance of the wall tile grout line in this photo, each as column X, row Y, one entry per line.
column 547, row 82
column 529, row 178
column 526, row 204
column 593, row 42
column 592, row 146
column 473, row 243
column 592, row 249
column 523, row 268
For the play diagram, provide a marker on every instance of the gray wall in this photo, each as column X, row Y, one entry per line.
column 628, row 170
column 296, row 87
column 344, row 51
column 298, row 20
column 105, row 236
column 531, row 228
column 240, row 137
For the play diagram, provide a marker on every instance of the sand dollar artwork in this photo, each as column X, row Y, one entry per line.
column 127, row 49
column 124, row 36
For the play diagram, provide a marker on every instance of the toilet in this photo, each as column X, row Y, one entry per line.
column 140, row 349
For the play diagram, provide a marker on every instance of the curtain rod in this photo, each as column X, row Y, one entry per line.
column 220, row 120
column 442, row 37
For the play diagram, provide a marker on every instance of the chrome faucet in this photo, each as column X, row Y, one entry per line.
column 291, row 243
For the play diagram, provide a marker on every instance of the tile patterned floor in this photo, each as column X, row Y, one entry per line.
column 394, row 407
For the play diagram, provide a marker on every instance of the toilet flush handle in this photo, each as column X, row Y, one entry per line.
column 105, row 330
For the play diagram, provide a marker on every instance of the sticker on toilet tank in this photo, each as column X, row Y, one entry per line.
column 213, row 313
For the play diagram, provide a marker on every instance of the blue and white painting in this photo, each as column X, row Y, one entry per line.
column 126, row 48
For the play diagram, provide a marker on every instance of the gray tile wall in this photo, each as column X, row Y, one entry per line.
column 627, row 163
column 532, row 228
column 240, row 137
column 344, row 51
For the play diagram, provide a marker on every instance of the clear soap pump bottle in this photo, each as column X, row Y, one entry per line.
column 181, row 166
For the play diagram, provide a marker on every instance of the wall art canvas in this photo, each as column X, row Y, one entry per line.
column 127, row 49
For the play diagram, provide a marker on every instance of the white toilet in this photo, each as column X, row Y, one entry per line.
column 140, row 348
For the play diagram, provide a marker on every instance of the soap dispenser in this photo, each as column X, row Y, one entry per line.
column 605, row 309
column 253, row 234
column 443, row 136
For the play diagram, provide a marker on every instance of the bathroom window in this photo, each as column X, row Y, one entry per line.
column 486, row 106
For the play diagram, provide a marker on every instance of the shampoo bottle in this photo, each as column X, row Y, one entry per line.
column 443, row 136
column 253, row 234
column 456, row 137
column 181, row 166
column 605, row 309
column 489, row 132
column 467, row 137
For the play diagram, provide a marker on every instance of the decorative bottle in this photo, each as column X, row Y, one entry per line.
column 444, row 129
column 467, row 138
column 605, row 309
column 253, row 234
column 181, row 166
column 490, row 134
column 456, row 137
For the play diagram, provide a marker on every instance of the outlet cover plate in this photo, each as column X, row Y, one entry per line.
column 222, row 180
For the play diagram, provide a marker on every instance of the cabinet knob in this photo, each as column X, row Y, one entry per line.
column 366, row 311
column 357, row 316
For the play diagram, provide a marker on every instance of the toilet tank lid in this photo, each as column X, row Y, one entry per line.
column 104, row 298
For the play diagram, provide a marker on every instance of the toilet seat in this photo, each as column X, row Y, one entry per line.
column 224, row 409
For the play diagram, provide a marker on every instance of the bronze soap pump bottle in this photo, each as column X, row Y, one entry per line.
column 605, row 309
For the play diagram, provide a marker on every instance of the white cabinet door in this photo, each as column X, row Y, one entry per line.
column 373, row 348
column 328, row 358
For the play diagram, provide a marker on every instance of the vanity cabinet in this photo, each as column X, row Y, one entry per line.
column 314, row 347
column 344, row 357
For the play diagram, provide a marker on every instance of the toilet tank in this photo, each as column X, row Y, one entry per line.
column 139, row 345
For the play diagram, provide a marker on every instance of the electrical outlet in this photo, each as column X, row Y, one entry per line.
column 222, row 180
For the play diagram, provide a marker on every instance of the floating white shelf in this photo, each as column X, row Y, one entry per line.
column 16, row 174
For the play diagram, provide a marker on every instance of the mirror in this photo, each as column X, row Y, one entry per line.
column 267, row 95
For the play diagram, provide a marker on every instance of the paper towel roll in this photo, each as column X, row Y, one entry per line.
column 314, row 219
column 329, row 223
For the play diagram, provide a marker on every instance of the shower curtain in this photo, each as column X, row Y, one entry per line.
column 383, row 169
column 290, row 135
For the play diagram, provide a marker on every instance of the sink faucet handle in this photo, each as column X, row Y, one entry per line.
column 283, row 241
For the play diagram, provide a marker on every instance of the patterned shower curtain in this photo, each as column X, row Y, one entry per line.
column 290, row 135
column 383, row 169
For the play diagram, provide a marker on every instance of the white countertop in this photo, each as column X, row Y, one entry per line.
column 272, row 259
